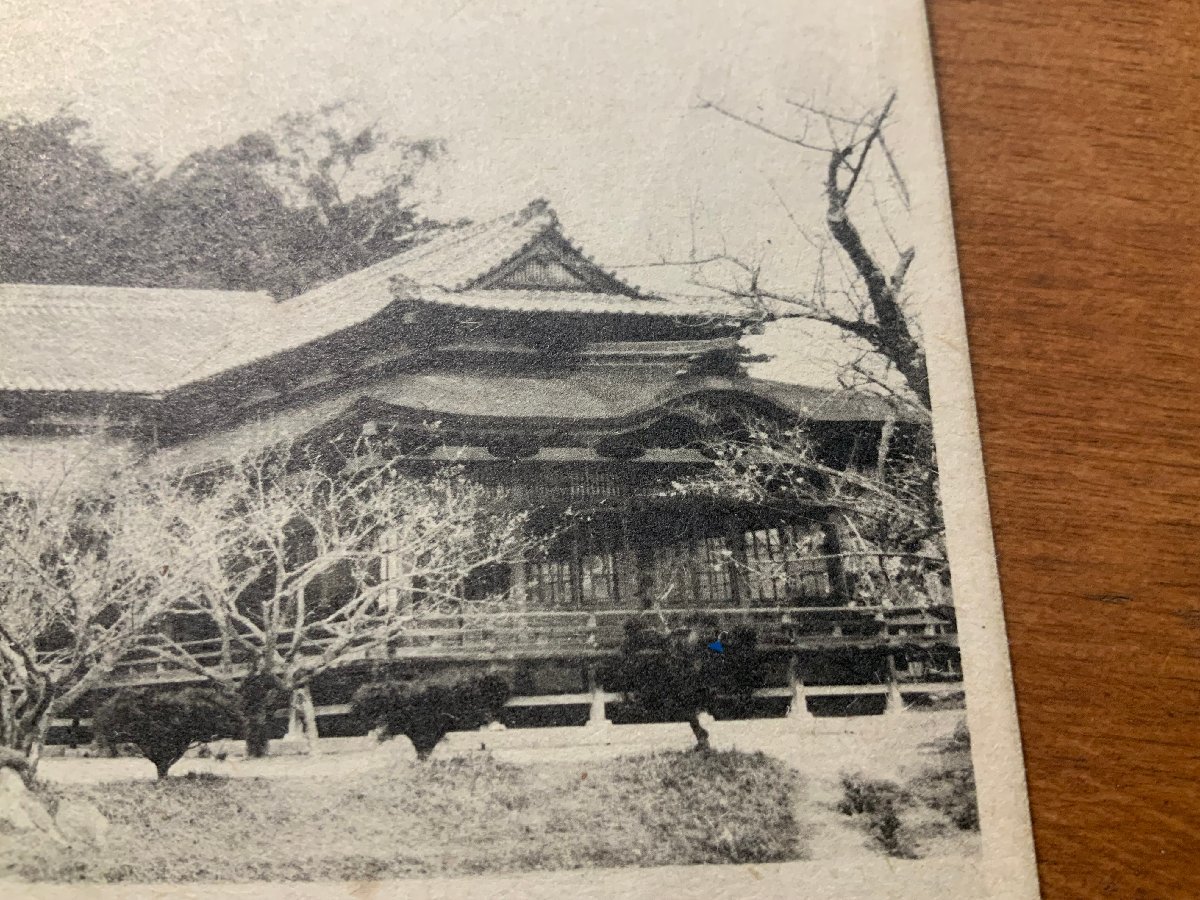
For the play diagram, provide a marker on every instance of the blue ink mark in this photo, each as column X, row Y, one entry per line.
column 717, row 646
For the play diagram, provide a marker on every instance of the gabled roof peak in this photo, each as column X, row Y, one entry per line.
column 537, row 208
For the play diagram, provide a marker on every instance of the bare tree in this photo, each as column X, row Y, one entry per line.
column 312, row 563
column 868, row 302
column 87, row 570
column 890, row 539
column 893, row 511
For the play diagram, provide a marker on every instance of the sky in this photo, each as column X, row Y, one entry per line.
column 592, row 105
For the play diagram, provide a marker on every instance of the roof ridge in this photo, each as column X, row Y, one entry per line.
column 540, row 206
column 444, row 241
column 515, row 219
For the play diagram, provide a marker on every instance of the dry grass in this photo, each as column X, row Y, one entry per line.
column 907, row 820
column 446, row 817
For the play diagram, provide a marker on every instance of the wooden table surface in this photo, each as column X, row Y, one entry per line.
column 1073, row 136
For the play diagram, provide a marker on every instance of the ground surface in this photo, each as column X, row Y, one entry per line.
column 447, row 817
column 534, row 799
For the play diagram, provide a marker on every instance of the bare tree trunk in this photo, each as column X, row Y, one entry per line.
column 23, row 727
column 258, row 733
column 701, row 733
column 260, row 693
column 308, row 713
column 891, row 335
column 885, row 447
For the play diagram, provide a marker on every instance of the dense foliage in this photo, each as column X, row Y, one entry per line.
column 426, row 712
column 165, row 724
column 676, row 674
column 306, row 200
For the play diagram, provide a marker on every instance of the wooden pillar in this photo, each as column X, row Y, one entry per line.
column 798, row 708
column 516, row 591
column 517, row 595
column 597, row 716
column 625, row 566
column 895, row 700
column 575, row 570
column 739, row 587
column 839, row 581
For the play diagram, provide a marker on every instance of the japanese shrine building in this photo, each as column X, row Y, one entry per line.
column 548, row 375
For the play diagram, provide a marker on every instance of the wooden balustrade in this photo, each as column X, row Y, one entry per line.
column 533, row 634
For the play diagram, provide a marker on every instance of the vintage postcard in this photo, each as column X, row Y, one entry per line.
column 493, row 448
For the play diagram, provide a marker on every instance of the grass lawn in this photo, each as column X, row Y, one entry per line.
column 442, row 817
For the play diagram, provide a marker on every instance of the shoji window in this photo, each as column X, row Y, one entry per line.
column 548, row 584
column 785, row 564
column 694, row 570
column 580, row 572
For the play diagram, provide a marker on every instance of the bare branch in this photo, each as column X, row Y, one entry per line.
column 760, row 127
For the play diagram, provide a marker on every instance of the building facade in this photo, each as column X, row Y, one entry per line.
column 503, row 348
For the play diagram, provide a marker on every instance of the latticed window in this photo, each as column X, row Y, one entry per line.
column 716, row 567
column 597, row 565
column 580, row 572
column 787, row 564
column 694, row 572
column 598, row 579
column 673, row 571
column 548, row 584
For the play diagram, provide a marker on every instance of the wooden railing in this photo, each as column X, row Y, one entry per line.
column 581, row 634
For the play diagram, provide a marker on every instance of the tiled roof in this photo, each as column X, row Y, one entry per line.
column 140, row 340
column 584, row 399
column 602, row 396
column 115, row 339
column 454, row 259
column 445, row 262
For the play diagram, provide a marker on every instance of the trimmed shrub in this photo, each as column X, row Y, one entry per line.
column 676, row 674
column 165, row 724
column 868, row 795
column 960, row 741
column 425, row 713
column 898, row 817
column 950, row 788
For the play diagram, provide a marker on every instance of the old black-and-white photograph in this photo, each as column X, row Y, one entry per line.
column 483, row 441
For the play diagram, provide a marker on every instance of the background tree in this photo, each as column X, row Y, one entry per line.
column 311, row 562
column 65, row 204
column 165, row 724
column 87, row 570
column 304, row 201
